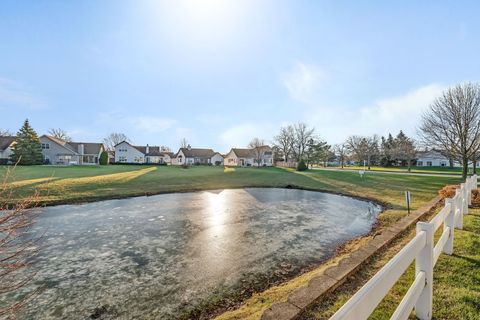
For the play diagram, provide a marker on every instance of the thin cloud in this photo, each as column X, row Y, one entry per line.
column 387, row 115
column 240, row 135
column 14, row 94
column 303, row 81
column 152, row 124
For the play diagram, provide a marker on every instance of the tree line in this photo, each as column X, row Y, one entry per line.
column 451, row 124
column 299, row 142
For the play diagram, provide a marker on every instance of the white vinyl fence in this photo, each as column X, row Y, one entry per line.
column 425, row 252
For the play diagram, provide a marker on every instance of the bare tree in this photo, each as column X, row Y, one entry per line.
column 183, row 143
column 59, row 134
column 404, row 149
column 363, row 148
column 284, row 141
column 17, row 246
column 257, row 145
column 357, row 147
column 5, row 132
column 113, row 139
column 452, row 123
column 341, row 152
column 302, row 135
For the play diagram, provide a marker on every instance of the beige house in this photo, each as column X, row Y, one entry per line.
column 61, row 152
column 127, row 153
column 6, row 143
column 255, row 157
column 191, row 156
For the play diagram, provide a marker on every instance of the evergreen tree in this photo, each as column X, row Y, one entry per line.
column 27, row 148
column 387, row 146
column 301, row 166
column 405, row 151
column 103, row 158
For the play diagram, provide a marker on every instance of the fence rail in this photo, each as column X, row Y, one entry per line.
column 425, row 253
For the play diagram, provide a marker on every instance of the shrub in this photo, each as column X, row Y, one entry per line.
column 302, row 166
column 217, row 163
column 448, row 191
column 103, row 158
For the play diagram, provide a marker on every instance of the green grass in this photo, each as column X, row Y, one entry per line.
column 432, row 170
column 72, row 184
column 58, row 184
column 75, row 184
column 456, row 283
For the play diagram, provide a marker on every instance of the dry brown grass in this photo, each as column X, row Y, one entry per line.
column 448, row 191
column 17, row 246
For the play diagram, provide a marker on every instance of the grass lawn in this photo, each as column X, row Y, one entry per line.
column 456, row 279
column 455, row 170
column 76, row 184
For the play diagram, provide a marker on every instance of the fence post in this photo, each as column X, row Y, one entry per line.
column 459, row 209
column 465, row 198
column 449, row 222
column 424, row 263
column 470, row 189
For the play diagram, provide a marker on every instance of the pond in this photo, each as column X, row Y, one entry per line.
column 152, row 257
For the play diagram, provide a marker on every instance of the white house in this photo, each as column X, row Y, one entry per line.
column 432, row 158
column 6, row 143
column 190, row 156
column 127, row 153
column 217, row 159
column 58, row 151
column 261, row 156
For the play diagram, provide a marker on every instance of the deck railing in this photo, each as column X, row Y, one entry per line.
column 425, row 252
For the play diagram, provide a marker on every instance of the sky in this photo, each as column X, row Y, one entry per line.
column 221, row 72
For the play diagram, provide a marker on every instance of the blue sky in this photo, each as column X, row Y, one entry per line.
column 220, row 72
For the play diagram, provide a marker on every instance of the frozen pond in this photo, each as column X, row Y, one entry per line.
column 149, row 257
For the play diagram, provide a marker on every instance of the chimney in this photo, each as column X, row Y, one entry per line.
column 148, row 149
column 189, row 147
column 81, row 148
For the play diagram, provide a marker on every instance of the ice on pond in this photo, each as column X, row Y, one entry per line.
column 109, row 255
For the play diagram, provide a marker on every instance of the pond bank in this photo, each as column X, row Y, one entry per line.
column 153, row 256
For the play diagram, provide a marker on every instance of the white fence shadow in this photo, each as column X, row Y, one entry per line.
column 425, row 252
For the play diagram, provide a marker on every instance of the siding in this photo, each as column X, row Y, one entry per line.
column 131, row 155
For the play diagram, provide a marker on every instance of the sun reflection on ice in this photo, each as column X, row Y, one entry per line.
column 216, row 208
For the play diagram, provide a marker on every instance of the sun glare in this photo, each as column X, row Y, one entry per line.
column 195, row 24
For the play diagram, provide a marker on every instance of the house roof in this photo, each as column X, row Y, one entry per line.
column 250, row 153
column 243, row 153
column 197, row 152
column 153, row 151
column 88, row 147
column 431, row 154
column 5, row 142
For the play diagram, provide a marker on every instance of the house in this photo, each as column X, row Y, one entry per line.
column 6, row 143
column 58, row 151
column 127, row 153
column 431, row 158
column 260, row 156
column 190, row 156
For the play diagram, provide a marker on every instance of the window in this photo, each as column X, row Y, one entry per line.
column 122, row 150
column 122, row 159
column 45, row 145
column 443, row 163
column 268, row 153
column 419, row 163
column 429, row 163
